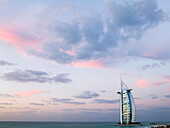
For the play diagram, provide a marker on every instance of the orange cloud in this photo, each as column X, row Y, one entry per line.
column 142, row 83
column 89, row 64
column 29, row 93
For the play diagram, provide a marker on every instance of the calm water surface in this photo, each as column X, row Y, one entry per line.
column 63, row 125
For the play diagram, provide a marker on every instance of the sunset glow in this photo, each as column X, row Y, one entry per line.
column 63, row 60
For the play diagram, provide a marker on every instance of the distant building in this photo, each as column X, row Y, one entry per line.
column 127, row 106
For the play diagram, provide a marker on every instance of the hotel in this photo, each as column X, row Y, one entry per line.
column 127, row 106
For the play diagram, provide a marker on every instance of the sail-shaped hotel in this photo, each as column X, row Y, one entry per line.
column 127, row 106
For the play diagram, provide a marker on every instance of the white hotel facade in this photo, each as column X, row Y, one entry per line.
column 127, row 105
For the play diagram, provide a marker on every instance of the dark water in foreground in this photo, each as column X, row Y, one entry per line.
column 64, row 125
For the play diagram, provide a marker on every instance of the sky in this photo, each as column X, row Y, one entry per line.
column 61, row 60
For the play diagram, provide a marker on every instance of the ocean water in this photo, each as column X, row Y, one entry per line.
column 64, row 125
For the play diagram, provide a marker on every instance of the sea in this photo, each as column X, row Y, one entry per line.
column 68, row 125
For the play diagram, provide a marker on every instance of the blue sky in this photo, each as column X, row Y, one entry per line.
column 61, row 60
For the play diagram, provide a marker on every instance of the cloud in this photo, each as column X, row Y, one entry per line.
column 35, row 76
column 6, row 103
column 6, row 95
column 89, row 64
column 101, row 44
column 103, row 91
column 154, row 96
column 4, row 63
column 137, row 98
column 62, row 78
column 87, row 95
column 67, row 101
column 91, row 110
column 18, row 38
column 147, row 66
column 166, row 80
column 103, row 101
column 82, row 109
column 29, row 93
column 37, row 104
column 166, row 77
column 167, row 96
column 106, row 91
column 2, row 107
column 20, row 108
column 83, row 40
column 142, row 83
column 66, row 35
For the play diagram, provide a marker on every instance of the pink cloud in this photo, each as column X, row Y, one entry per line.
column 161, row 83
column 72, row 52
column 142, row 83
column 167, row 80
column 150, row 54
column 29, row 93
column 16, row 39
column 89, row 64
